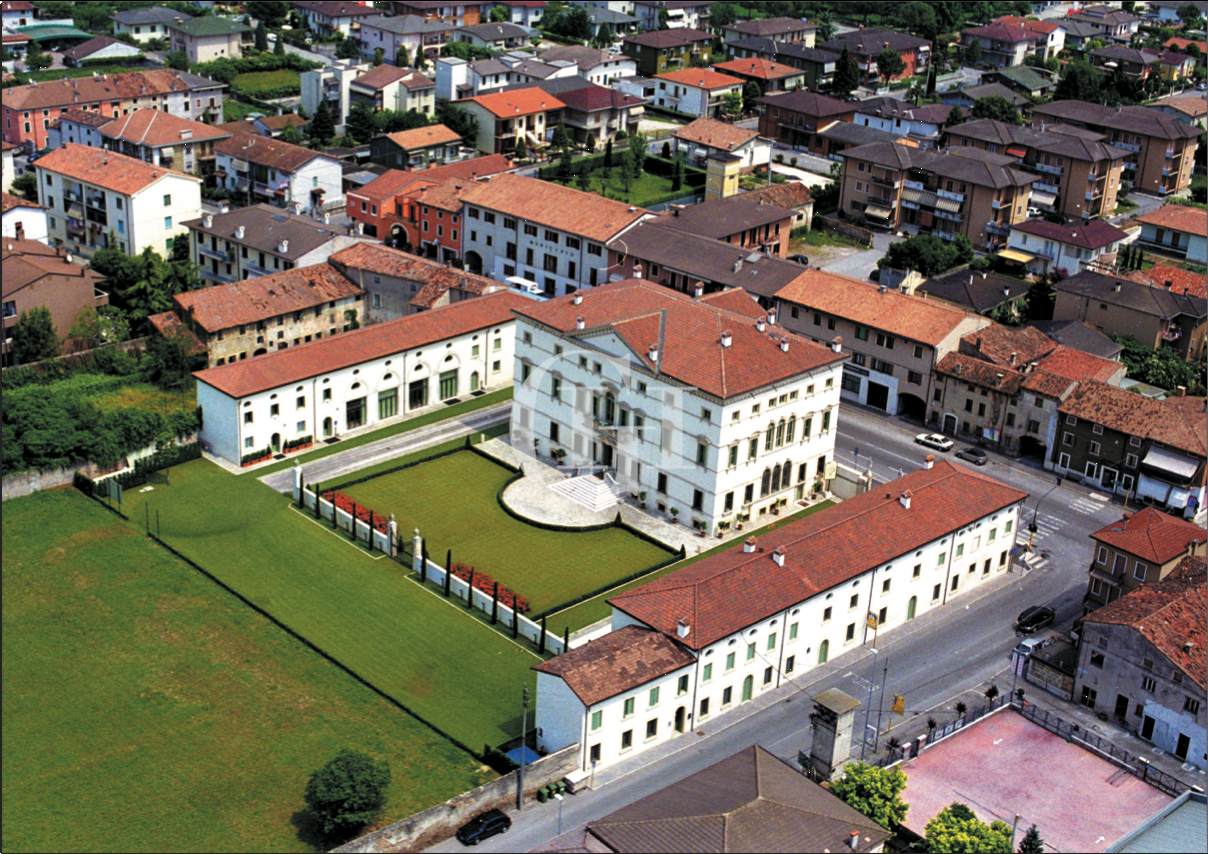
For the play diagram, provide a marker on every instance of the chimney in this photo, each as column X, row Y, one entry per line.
column 360, row 228
column 637, row 271
column 760, row 325
column 283, row 247
column 67, row 258
column 682, row 629
column 883, row 289
column 853, row 840
column 19, row 233
column 1187, row 647
column 748, row 545
column 699, row 290
column 580, row 323
column 970, row 278
column 905, row 498
column 1169, row 284
column 771, row 318
column 654, row 353
column 578, row 298
column 1180, row 391
column 784, row 345
column 154, row 173
column 224, row 207
column 1006, row 292
column 209, row 219
column 326, row 218
column 239, row 232
column 998, row 379
column 726, row 339
column 105, row 160
column 778, row 556
column 837, row 344
column 1011, row 361
column 929, row 461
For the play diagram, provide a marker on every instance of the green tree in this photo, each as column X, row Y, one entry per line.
column 591, row 143
column 521, row 152
column 723, row 14
column 261, row 36
column 1079, row 82
column 501, row 15
column 348, row 48
column 36, row 60
column 639, row 147
column 34, row 337
column 955, row 116
column 378, row 57
column 1041, row 299
column 583, row 180
column 402, row 58
column 957, row 830
column 1163, row 367
column 348, row 792
column 875, row 792
column 1032, row 843
column 627, row 170
column 26, row 187
column 664, row 19
column 559, row 140
column 890, row 64
column 607, row 161
column 926, row 253
column 565, row 165
column 457, row 119
column 677, row 173
column 1189, row 14
column 919, row 18
column 293, row 135
column 94, row 328
column 847, row 74
column 731, row 104
column 421, row 60
column 274, row 12
column 751, row 93
column 973, row 53
column 321, row 128
column 360, row 124
column 279, row 47
column 998, row 108
column 171, row 358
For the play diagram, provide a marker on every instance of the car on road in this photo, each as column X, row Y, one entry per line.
column 1034, row 619
column 935, row 441
column 483, row 827
column 973, row 455
column 1203, row 87
column 803, row 260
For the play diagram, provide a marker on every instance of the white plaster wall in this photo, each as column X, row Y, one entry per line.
column 33, row 223
column 148, row 212
column 219, row 429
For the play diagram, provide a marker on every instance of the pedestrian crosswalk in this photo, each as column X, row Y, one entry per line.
column 1049, row 525
column 1087, row 506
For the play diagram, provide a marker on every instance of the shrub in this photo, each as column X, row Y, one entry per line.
column 482, row 581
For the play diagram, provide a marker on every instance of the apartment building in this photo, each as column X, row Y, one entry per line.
column 1162, row 149
column 865, row 45
column 1053, row 33
column 1140, row 548
column 1051, row 246
column 410, row 149
column 38, row 276
column 788, row 30
column 1142, row 63
column 145, row 24
column 1006, row 45
column 736, row 220
column 681, row 14
column 419, row 35
column 923, row 125
column 503, row 118
column 279, row 173
column 959, row 191
column 1110, row 22
column 90, row 193
column 332, row 85
column 817, row 66
column 697, row 92
column 389, row 88
column 209, row 37
column 327, row 17
column 797, row 119
column 667, row 50
column 1178, row 230
column 453, row 14
column 456, row 78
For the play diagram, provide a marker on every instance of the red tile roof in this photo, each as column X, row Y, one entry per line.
column 435, row 279
column 517, row 102
column 981, row 373
column 693, row 351
column 701, row 78
column 423, row 137
column 563, row 208
column 727, row 592
column 617, row 662
column 253, row 300
column 11, row 201
column 792, row 195
column 284, row 367
column 1075, row 365
column 716, row 134
column 1030, row 24
column 1178, row 218
column 764, row 69
column 156, row 128
column 266, row 151
column 84, row 90
column 107, row 169
column 1151, row 535
column 169, row 323
column 386, row 75
column 1182, row 281
column 1137, row 415
column 1008, row 347
column 1181, row 45
column 1092, row 234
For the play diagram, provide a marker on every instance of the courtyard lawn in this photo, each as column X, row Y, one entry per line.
column 362, row 610
column 452, row 502
column 597, row 608
column 147, row 709
column 254, row 82
column 233, row 111
column 646, row 190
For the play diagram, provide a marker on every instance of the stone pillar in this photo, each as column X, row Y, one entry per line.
column 833, row 717
column 392, row 535
column 297, row 480
column 417, row 551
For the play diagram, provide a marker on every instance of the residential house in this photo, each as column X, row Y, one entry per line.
column 1111, row 22
column 1129, row 444
column 274, row 126
column 545, row 234
column 667, row 50
column 524, row 13
column 1163, row 148
column 416, row 148
column 331, row 85
column 698, row 92
column 620, row 23
column 596, row 65
column 454, row 14
column 505, row 117
column 967, row 96
column 1079, row 33
column 1079, row 336
column 981, row 293
column 327, row 17
column 1141, row 548
column 16, row 44
column 788, row 30
column 768, row 75
column 796, row 119
column 1143, row 656
column 791, row 195
column 1189, row 109
column 700, row 139
column 962, row 191
column 1053, row 32
column 737, row 220
column 29, row 110
column 1178, row 45
column 398, row 283
column 681, row 14
column 591, row 110
column 1167, row 11
column 817, row 66
column 285, row 175
column 1176, row 229
column 358, row 379
column 752, row 799
column 37, row 276
column 260, row 240
column 266, row 314
column 89, row 193
column 24, row 220
column 101, row 48
column 19, row 13
column 767, row 613
column 1140, row 63
column 415, row 33
column 389, row 88
column 866, row 45
column 924, row 125
column 895, row 340
column 209, row 37
column 1006, row 45
column 1033, row 82
column 1155, row 317
column 499, row 37
column 457, row 79
column 699, row 384
column 1051, row 246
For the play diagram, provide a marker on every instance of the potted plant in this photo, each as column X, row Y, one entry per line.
column 642, row 499
column 559, row 454
column 674, row 515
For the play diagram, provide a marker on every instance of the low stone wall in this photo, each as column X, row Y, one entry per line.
column 433, row 825
column 834, row 226
column 28, row 482
column 382, row 542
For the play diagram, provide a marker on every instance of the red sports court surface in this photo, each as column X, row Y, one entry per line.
column 1003, row 765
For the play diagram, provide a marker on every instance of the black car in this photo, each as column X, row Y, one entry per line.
column 973, row 455
column 483, row 827
column 1034, row 619
column 803, row 260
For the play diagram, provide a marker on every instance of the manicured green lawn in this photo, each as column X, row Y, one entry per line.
column 452, row 502
column 233, row 111
column 645, row 190
column 147, row 709
column 252, row 82
column 362, row 610
column 596, row 609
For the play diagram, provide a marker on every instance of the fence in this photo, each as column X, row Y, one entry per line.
column 911, row 749
column 362, row 531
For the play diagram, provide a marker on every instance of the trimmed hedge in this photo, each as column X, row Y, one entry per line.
column 256, row 456
column 161, row 459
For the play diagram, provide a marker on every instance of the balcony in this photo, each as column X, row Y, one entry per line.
column 993, row 227
column 95, row 201
column 996, row 204
column 1172, row 334
column 73, row 195
column 1165, row 171
column 604, row 427
column 914, row 185
column 1127, row 146
column 257, row 269
column 1051, row 170
column 1046, row 188
column 215, row 277
column 225, row 257
column 887, row 181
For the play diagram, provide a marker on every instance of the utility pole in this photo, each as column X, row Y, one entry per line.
column 881, row 699
column 1036, row 512
column 523, row 751
column 868, row 706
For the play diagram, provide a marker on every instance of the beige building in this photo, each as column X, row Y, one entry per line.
column 209, row 37
column 505, row 117
column 963, row 191
column 389, row 88
column 1141, row 548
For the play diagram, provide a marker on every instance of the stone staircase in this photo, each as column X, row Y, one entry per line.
column 588, row 491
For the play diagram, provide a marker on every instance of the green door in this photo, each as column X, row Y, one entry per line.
column 910, row 606
column 448, row 385
column 474, row 381
column 748, row 685
column 823, row 652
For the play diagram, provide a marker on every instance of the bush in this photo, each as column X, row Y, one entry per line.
column 172, row 455
column 256, row 456
column 348, row 792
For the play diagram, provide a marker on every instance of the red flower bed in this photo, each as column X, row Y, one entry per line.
column 364, row 514
column 486, row 584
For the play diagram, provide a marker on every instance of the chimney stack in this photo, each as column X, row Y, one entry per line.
column 682, row 629
column 699, row 290
column 905, row 498
column 837, row 344
column 239, row 232
column 1181, row 391
column 929, row 461
column 637, row 271
column 284, row 247
column 760, row 325
column 209, row 220
column 784, row 345
column 578, row 298
column 726, row 339
column 853, row 840
column 654, row 353
column 778, row 555
column 580, row 323
column 771, row 318
column 748, row 545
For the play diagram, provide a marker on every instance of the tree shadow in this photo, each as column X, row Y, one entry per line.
column 311, row 834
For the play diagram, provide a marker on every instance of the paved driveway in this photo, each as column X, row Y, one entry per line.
column 859, row 264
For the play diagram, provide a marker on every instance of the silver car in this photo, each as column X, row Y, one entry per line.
column 935, row 441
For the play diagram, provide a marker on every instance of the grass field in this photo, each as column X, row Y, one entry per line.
column 643, row 191
column 362, row 610
column 146, row 709
column 452, row 502
column 147, row 396
column 233, row 111
column 252, row 82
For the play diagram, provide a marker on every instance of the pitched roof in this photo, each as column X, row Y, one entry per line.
column 283, row 121
column 1031, row 24
column 240, row 379
column 976, row 292
column 435, row 279
column 253, row 300
column 1178, row 218
column 516, row 102
column 987, row 90
column 669, row 38
column 155, row 128
column 715, row 134
column 751, row 801
column 1114, row 290
column 722, row 218
column 386, row 75
column 264, row 227
column 395, row 181
column 617, row 662
column 771, row 27
column 208, row 25
column 1025, row 76
column 581, row 55
column 1139, row 120
column 11, row 201
column 28, row 261
column 1066, row 140
column 1079, row 336
column 337, row 8
column 493, row 32
column 573, row 211
column 147, row 15
column 911, row 317
column 108, row 169
column 405, row 25
column 764, row 69
column 1075, row 365
column 78, row 91
column 693, row 351
column 774, row 49
column 88, row 48
column 1137, row 415
column 965, row 164
column 1091, row 234
column 701, row 78
column 1151, row 535
column 424, row 137
column 983, row 374
column 872, row 42
column 1170, row 615
column 1181, row 281
column 792, row 195
column 1194, row 106
column 1001, row 32
column 808, row 103
column 729, row 591
column 1181, row 45
column 266, row 151
column 1007, row 347
column 580, row 94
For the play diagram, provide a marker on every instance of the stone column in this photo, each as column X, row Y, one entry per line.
column 417, row 551
column 297, row 480
column 392, row 535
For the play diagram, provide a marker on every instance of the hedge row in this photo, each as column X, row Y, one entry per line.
column 141, row 472
column 271, row 92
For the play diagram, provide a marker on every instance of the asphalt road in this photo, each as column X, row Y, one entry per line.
column 930, row 662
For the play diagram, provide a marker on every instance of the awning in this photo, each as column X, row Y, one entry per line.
column 166, row 151
column 878, row 212
column 920, row 197
column 1169, row 463
column 1016, row 255
column 1042, row 198
column 1016, row 152
column 947, row 205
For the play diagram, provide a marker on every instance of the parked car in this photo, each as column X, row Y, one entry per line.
column 1203, row 87
column 875, row 275
column 1033, row 212
column 1034, row 619
column 973, row 455
column 935, row 441
column 483, row 827
column 803, row 260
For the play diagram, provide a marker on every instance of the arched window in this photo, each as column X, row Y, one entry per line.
column 780, row 434
column 770, row 438
column 787, row 480
column 610, row 408
column 788, row 437
column 776, row 479
column 802, row 472
column 766, row 486
column 823, row 652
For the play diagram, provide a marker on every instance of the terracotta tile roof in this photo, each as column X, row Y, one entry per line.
column 1092, row 234
column 727, row 592
column 417, row 138
column 997, row 345
column 169, row 323
column 1052, row 386
column 1181, row 45
column 620, row 661
column 1003, row 33
column 1170, row 615
column 107, row 169
column 435, row 279
column 1030, row 24
column 155, row 128
column 678, row 37
column 911, row 317
column 284, row 367
column 1178, row 218
column 387, row 186
column 701, row 78
column 1189, row 105
column 1076, row 365
column 563, row 208
column 396, row 181
column 253, row 300
column 517, row 102
column 1151, row 535
column 266, row 151
column 465, row 170
column 387, row 75
column 715, row 134
column 85, row 90
column 11, row 201
column 982, row 374
column 1137, row 415
column 792, row 195
column 283, row 121
column 28, row 261
column 723, row 218
column 764, row 69
column 693, row 351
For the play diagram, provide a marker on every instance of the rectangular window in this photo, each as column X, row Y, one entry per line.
column 885, row 585
column 855, row 601
column 1191, row 706
column 1139, row 571
column 704, row 708
column 167, row 222
column 790, row 664
column 706, row 673
column 1148, row 684
column 851, row 632
column 729, row 662
column 626, row 740
column 940, row 560
column 654, row 696
column 793, row 632
column 681, row 687
column 727, row 697
column 597, row 720
column 702, row 453
column 767, row 675
column 652, row 728
column 387, row 404
column 826, row 614
column 935, row 593
column 750, row 651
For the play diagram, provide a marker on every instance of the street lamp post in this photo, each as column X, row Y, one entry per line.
column 1036, row 512
column 523, row 752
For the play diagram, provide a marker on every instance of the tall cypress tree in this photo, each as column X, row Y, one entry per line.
column 495, row 605
column 541, row 641
column 470, row 592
